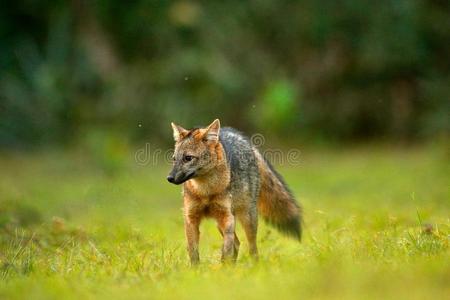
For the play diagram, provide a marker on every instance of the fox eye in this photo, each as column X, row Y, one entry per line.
column 187, row 158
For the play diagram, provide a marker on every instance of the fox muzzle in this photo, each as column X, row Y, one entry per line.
column 179, row 177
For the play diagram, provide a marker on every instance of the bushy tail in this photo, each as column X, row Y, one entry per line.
column 276, row 204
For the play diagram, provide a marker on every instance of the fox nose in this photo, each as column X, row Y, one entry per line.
column 171, row 178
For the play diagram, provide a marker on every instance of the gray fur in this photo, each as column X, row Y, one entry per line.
column 245, row 181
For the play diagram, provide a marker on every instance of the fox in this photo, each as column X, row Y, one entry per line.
column 226, row 178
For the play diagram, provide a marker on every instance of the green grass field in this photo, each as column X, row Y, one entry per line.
column 377, row 226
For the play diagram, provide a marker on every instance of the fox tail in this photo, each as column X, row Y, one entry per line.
column 276, row 204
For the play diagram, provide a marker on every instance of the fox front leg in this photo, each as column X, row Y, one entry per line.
column 191, row 226
column 226, row 224
column 236, row 243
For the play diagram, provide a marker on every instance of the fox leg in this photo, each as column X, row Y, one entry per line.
column 191, row 226
column 226, row 226
column 236, row 243
column 249, row 222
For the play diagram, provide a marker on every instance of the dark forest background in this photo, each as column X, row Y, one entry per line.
column 350, row 70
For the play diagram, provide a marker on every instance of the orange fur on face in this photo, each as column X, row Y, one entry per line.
column 217, row 180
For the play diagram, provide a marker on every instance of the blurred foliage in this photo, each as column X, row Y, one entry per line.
column 108, row 151
column 331, row 69
column 277, row 109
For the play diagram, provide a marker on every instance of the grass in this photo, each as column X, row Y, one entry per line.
column 376, row 226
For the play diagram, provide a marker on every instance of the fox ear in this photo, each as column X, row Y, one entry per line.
column 212, row 131
column 178, row 132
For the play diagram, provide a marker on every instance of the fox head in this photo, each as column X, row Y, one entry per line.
column 196, row 152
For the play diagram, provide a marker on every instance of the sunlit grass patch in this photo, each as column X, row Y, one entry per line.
column 376, row 226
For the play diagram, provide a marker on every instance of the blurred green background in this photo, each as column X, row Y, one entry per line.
column 309, row 70
column 358, row 89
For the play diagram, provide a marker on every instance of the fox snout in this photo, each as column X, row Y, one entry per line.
column 178, row 177
column 170, row 178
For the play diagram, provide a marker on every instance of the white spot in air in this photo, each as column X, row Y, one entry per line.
column 186, row 78
column 140, row 125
